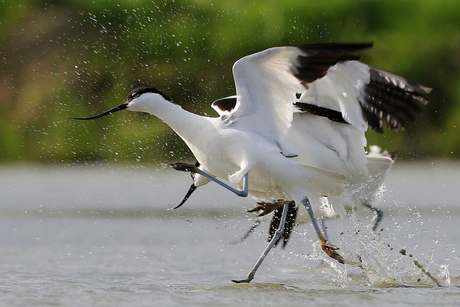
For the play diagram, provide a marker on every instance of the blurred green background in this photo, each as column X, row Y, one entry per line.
column 69, row 58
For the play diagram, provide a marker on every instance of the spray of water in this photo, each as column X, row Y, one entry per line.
column 376, row 257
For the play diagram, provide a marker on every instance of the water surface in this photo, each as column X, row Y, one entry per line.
column 102, row 236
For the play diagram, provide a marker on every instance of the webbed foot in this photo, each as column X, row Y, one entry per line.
column 330, row 250
column 264, row 208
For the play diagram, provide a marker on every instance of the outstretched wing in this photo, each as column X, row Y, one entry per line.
column 327, row 76
column 224, row 106
column 318, row 99
column 268, row 82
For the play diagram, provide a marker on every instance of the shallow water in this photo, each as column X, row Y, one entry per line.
column 102, row 236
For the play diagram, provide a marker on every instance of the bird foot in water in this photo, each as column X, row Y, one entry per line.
column 183, row 167
column 242, row 281
column 330, row 250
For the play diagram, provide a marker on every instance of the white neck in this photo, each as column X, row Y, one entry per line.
column 190, row 127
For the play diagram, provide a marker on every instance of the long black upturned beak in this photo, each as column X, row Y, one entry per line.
column 116, row 109
column 190, row 191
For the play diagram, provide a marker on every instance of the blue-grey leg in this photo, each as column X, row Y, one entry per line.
column 378, row 215
column 246, row 235
column 188, row 167
column 325, row 246
column 323, row 225
column 270, row 245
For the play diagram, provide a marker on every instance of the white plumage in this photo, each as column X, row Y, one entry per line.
column 295, row 128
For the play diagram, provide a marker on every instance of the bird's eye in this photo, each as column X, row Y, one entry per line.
column 132, row 96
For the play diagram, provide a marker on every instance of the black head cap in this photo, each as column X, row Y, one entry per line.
column 142, row 90
column 132, row 95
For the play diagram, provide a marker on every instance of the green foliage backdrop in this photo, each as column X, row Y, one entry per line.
column 68, row 58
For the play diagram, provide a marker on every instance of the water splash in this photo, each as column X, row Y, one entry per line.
column 384, row 268
column 374, row 259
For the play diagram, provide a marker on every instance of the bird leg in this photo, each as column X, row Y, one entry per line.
column 263, row 208
column 323, row 225
column 288, row 225
column 270, row 245
column 246, row 235
column 325, row 245
column 188, row 167
column 379, row 215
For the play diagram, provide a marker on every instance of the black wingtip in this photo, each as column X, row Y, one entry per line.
column 289, row 224
column 337, row 47
column 392, row 101
column 316, row 59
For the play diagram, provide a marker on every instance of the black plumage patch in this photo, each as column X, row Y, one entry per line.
column 319, row 57
column 332, row 115
column 225, row 104
column 142, row 90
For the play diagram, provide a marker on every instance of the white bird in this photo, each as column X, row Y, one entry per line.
column 295, row 128
column 363, row 194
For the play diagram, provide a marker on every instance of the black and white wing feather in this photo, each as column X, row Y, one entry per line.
column 364, row 95
column 328, row 76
